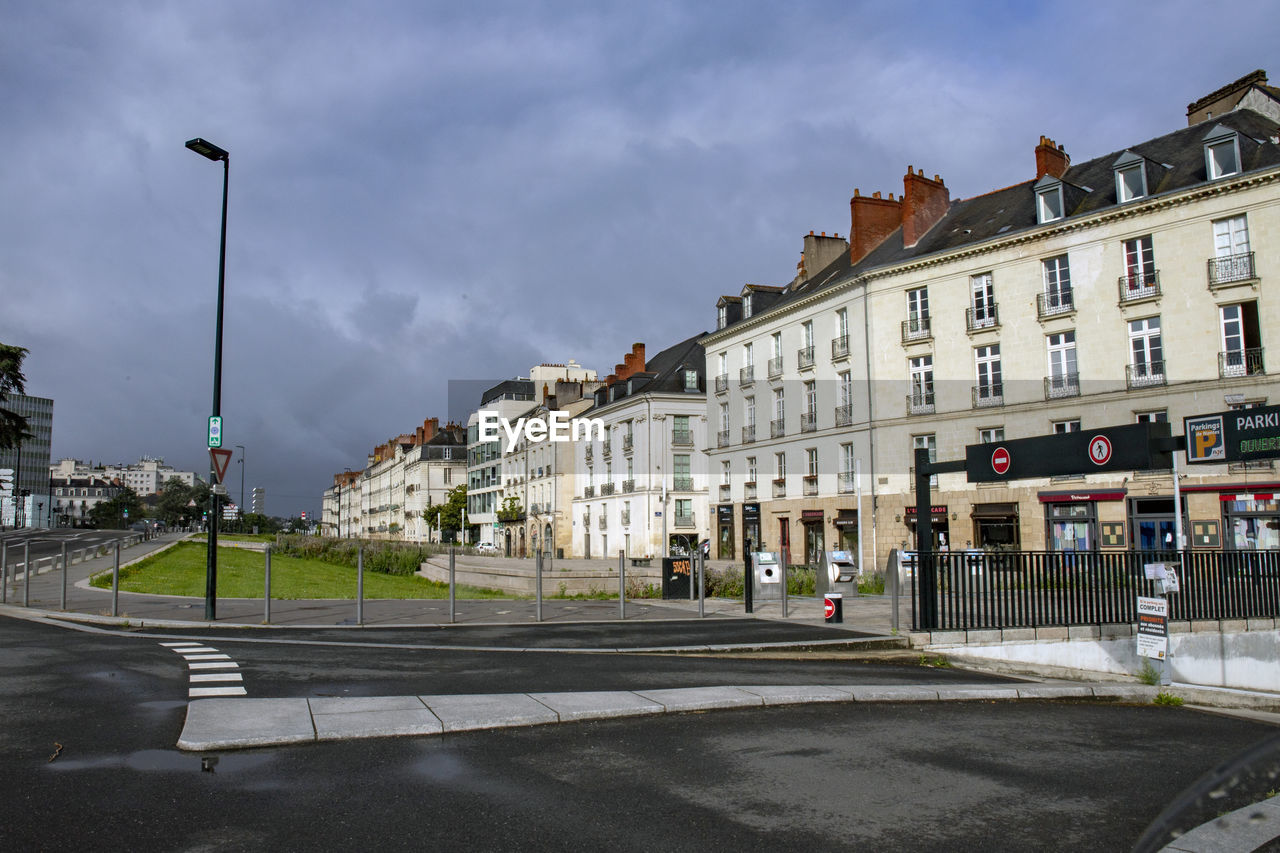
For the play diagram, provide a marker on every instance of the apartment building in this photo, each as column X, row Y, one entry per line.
column 147, row 476
column 642, row 488
column 1127, row 287
column 27, row 503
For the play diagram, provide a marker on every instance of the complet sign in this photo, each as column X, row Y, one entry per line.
column 1235, row 436
column 1153, row 627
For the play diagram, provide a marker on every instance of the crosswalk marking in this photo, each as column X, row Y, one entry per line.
column 202, row 657
column 196, row 692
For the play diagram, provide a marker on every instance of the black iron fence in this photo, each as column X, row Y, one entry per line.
column 1031, row 589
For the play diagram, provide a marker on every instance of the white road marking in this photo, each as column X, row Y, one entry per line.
column 179, row 645
column 196, row 650
column 196, row 692
column 213, row 664
column 215, row 676
column 208, row 657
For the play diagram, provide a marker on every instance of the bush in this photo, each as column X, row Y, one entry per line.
column 389, row 558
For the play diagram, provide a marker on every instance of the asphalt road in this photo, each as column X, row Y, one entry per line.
column 928, row 776
column 47, row 543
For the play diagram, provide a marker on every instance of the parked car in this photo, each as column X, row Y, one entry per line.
column 486, row 548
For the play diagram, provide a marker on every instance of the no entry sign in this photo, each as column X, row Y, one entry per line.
column 1000, row 460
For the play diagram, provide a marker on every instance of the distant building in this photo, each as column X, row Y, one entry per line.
column 29, row 505
column 146, row 477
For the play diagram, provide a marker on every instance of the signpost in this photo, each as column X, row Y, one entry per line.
column 1153, row 627
column 215, row 433
column 1238, row 435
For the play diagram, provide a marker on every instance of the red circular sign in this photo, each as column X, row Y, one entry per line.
column 828, row 608
column 1000, row 460
column 1099, row 450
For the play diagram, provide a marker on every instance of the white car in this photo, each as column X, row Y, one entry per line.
column 486, row 548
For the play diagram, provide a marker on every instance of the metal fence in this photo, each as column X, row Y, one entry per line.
column 1031, row 589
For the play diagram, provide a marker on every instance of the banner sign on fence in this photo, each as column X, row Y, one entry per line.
column 1153, row 627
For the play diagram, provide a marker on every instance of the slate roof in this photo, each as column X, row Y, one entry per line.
column 662, row 373
column 1177, row 163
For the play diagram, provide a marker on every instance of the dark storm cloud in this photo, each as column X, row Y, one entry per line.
column 423, row 192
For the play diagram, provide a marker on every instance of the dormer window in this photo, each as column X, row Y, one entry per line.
column 690, row 380
column 1221, row 153
column 722, row 316
column 1049, row 206
column 1131, row 177
column 746, row 306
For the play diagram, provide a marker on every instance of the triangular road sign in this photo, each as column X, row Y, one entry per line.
column 221, row 460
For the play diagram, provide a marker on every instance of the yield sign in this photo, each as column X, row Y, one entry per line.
column 221, row 459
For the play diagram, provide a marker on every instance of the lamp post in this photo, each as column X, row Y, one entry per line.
column 213, row 152
column 242, row 467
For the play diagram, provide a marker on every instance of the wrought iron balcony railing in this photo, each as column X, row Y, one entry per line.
column 1230, row 269
column 682, row 484
column 1064, row 385
column 844, row 415
column 775, row 367
column 1139, row 286
column 749, row 434
column 1144, row 374
column 1055, row 302
column 747, row 375
column 1241, row 362
column 804, row 358
column 811, row 485
column 916, row 329
column 722, row 383
column 991, row 394
column 839, row 347
column 808, row 421
column 683, row 437
column 722, row 438
column 845, row 483
column 920, row 402
column 777, row 428
column 984, row 317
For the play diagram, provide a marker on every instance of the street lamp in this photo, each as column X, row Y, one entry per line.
column 242, row 467
column 213, row 152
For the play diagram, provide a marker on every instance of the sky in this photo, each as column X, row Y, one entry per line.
column 423, row 192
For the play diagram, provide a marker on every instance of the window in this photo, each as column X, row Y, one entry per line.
column 1049, row 203
column 722, row 439
column 925, row 442
column 844, row 411
column 680, row 470
column 1064, row 427
column 1131, row 181
column 749, row 411
column 1139, row 269
column 1063, row 379
column 811, row 461
column 631, row 468
column 724, row 472
column 990, row 389
column 991, row 435
column 748, row 355
column 1233, row 259
column 779, row 408
column 1221, row 153
column 921, row 376
column 982, row 301
column 690, row 380
column 1057, row 295
column 780, row 466
column 1146, row 357
column 775, row 345
column 722, row 316
column 1241, row 353
column 810, row 420
column 746, row 306
column 722, row 364
column 806, row 334
column 751, row 469
column 917, row 314
column 1159, row 416
column 842, row 323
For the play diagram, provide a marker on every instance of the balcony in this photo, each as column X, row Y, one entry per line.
column 991, row 394
column 845, row 484
column 628, row 443
column 1231, row 269
column 1144, row 374
column 844, row 415
column 626, row 517
column 586, row 519
column 683, row 438
column 1065, row 385
column 628, row 486
column 1241, row 362
column 722, row 438
column 804, row 358
column 1137, row 287
column 606, row 450
column 747, row 375
column 780, row 487
column 840, row 348
column 810, row 485
column 603, row 522
column 722, row 383
column 920, row 402
column 683, row 520
column 589, row 453
column 775, row 367
column 749, row 490
column 606, row 489
column 986, row 317
column 535, row 509
column 589, row 492
column 777, row 428
column 809, row 422
column 916, row 329
column 748, row 434
column 724, row 492
column 682, row 484
column 1055, row 303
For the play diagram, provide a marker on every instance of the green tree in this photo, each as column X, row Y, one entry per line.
column 175, row 495
column 449, row 512
column 13, row 426
column 119, row 512
column 511, row 510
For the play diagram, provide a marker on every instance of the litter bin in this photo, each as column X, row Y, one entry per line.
column 677, row 578
column 768, row 576
column 833, row 607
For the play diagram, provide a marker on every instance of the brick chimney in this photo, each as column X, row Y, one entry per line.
column 1051, row 159
column 873, row 219
column 637, row 349
column 924, row 202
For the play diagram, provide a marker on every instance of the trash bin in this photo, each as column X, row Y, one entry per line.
column 833, row 607
column 768, row 576
column 677, row 574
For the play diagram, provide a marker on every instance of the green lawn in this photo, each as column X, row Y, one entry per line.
column 180, row 570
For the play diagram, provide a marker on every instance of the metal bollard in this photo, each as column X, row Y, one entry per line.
column 26, row 574
column 622, row 586
column 64, row 575
column 115, row 584
column 784, row 584
column 702, row 585
column 452, row 589
column 360, row 585
column 4, row 572
column 537, row 585
column 266, row 586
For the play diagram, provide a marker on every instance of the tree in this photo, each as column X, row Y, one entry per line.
column 175, row 495
column 13, row 426
column 511, row 510
column 119, row 512
column 449, row 512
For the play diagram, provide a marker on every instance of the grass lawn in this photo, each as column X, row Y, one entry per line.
column 180, row 570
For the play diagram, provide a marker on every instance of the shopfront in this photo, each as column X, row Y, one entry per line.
column 724, row 532
column 1071, row 519
column 846, row 524
column 940, row 522
column 1152, row 524
column 1252, row 521
column 751, row 525
column 995, row 525
column 814, row 538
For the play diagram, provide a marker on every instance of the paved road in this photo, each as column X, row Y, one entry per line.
column 932, row 776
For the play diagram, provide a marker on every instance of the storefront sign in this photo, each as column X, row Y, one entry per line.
column 940, row 509
column 1234, row 436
